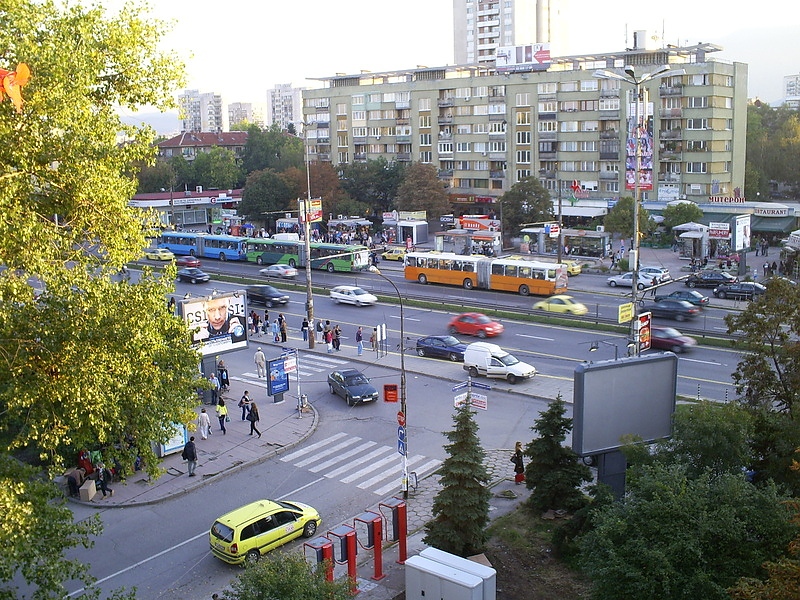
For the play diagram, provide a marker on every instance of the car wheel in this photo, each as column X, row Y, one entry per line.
column 691, row 284
column 222, row 257
column 722, row 295
column 194, row 280
column 612, row 283
column 467, row 284
column 473, row 372
column 259, row 261
column 512, row 379
column 349, row 400
column 640, row 286
column 252, row 557
column 680, row 318
column 192, row 253
column 452, row 330
column 422, row 278
column 677, row 349
column 269, row 303
column 292, row 263
column 453, row 357
column 524, row 290
column 420, row 351
column 481, row 334
column 310, row 529
column 330, row 268
column 333, row 391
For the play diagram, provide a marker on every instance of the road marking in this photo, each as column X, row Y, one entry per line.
column 344, row 456
column 421, row 472
column 290, row 457
column 358, row 461
column 377, row 465
column 536, row 337
column 404, row 318
column 703, row 362
column 327, row 452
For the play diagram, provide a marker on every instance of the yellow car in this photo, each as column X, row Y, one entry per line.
column 561, row 304
column 394, row 254
column 248, row 532
column 159, row 254
column 573, row 267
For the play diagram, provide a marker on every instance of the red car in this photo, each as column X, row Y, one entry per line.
column 187, row 261
column 669, row 338
column 474, row 324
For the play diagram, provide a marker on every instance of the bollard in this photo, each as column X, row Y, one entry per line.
column 374, row 523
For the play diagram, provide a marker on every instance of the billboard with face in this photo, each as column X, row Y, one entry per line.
column 217, row 323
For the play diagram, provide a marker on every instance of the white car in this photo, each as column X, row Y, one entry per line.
column 350, row 294
column 660, row 273
column 281, row 271
column 624, row 280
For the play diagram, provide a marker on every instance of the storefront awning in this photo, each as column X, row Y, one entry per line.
column 776, row 224
column 583, row 211
column 696, row 235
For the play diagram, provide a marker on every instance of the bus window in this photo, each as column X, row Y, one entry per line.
column 511, row 271
column 497, row 269
column 469, row 267
column 525, row 272
column 551, row 274
column 538, row 273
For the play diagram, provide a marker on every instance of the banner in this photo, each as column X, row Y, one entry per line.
column 217, row 323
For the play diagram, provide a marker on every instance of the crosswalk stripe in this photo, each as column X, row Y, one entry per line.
column 327, row 452
column 421, row 472
column 344, row 456
column 368, row 469
column 391, row 472
column 312, row 447
column 358, row 461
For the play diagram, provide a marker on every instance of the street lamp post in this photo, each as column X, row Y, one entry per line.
column 637, row 83
column 560, row 223
column 305, row 213
column 403, row 409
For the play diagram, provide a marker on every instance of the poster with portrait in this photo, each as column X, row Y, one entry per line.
column 216, row 323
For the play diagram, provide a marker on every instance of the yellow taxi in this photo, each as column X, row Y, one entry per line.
column 158, row 254
column 561, row 303
column 254, row 529
column 573, row 267
column 394, row 254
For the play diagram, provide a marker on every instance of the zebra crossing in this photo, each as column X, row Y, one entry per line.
column 365, row 463
column 308, row 365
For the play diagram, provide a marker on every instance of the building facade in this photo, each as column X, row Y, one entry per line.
column 189, row 145
column 247, row 112
column 485, row 131
column 201, row 112
column 791, row 91
column 284, row 106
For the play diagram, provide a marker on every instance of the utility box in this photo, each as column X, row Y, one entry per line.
column 430, row 580
column 88, row 490
column 487, row 574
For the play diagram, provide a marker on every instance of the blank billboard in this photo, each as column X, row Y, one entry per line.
column 630, row 396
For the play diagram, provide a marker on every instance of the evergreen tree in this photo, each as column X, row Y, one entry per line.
column 461, row 508
column 554, row 471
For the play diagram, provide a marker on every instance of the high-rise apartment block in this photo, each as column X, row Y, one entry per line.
column 247, row 112
column 791, row 91
column 284, row 106
column 485, row 130
column 201, row 112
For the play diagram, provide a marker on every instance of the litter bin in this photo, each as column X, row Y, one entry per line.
column 390, row 392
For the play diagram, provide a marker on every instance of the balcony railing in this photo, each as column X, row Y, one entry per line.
column 669, row 177
column 609, row 175
column 445, row 102
column 674, row 90
column 497, row 116
column 497, row 174
column 445, row 120
column 671, row 134
column 609, row 134
column 404, row 156
column 403, row 121
column 445, row 173
column 609, row 155
column 671, row 113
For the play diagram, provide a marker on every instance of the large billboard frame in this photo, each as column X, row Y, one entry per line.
column 217, row 323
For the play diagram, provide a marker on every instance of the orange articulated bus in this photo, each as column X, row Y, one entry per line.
column 504, row 274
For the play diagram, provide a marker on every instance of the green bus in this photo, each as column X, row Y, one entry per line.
column 326, row 257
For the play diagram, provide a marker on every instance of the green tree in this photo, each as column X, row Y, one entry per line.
column 525, row 203
column 423, row 190
column 155, row 178
column 461, row 507
column 271, row 148
column 325, row 184
column 265, row 194
column 184, row 173
column 678, row 214
column 217, row 169
column 554, row 472
column 620, row 219
column 90, row 361
column 676, row 537
column 374, row 183
column 287, row 576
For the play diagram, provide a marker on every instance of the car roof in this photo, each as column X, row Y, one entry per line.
column 261, row 287
column 349, row 372
column 247, row 512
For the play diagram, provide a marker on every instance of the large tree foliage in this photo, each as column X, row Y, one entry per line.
column 620, row 219
column 271, row 149
column 554, row 472
column 267, row 194
column 773, row 147
column 217, row 169
column 461, row 507
column 325, row 184
column 374, row 183
column 673, row 536
column 287, row 576
column 683, row 212
column 423, row 190
column 527, row 202
column 88, row 360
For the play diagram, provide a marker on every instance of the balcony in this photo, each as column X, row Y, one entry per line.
column 671, row 134
column 497, row 174
column 496, row 99
column 323, row 140
column 443, row 135
column 670, row 113
column 609, row 93
column 360, row 140
column 497, row 116
column 445, row 120
column 444, row 102
column 497, row 155
column 324, row 156
column 606, row 115
column 403, row 121
column 547, row 116
column 670, row 155
column 548, row 135
column 674, row 90
column 403, row 139
column 497, row 135
column 360, row 156
column 609, row 175
column 445, row 173
column 609, row 155
column 402, row 104
column 403, row 156
column 548, row 155
column 609, row 134
column 669, row 178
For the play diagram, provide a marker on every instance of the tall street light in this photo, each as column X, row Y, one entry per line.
column 640, row 117
column 305, row 213
column 560, row 222
column 404, row 483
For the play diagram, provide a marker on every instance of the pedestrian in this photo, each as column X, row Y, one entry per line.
column 203, row 424
column 765, row 248
column 103, row 479
column 304, row 329
column 519, row 465
column 189, row 454
column 283, row 327
column 214, row 388
column 773, row 270
column 250, row 323
column 320, row 330
column 261, row 363
column 276, row 331
column 766, row 269
column 360, row 341
column 337, row 338
column 171, row 305
column 222, row 415
column 244, row 404
column 329, row 340
column 222, row 375
column 757, row 245
column 252, row 416
column 265, row 325
column 653, row 285
column 373, row 339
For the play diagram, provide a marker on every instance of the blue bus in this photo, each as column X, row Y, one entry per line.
column 179, row 242
column 221, row 247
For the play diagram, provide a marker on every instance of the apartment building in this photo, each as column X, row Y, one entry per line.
column 201, row 112
column 247, row 112
column 486, row 130
column 791, row 91
column 284, row 106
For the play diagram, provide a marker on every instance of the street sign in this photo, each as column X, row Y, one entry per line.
column 481, row 386
column 401, row 440
column 465, row 384
column 460, row 386
column 625, row 313
column 479, row 401
column 554, row 229
column 401, row 418
column 401, row 447
column 459, row 399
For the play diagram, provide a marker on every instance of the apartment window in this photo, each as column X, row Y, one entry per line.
column 726, row 166
column 341, row 109
column 728, row 102
column 463, row 111
column 523, row 174
column 497, row 128
column 588, row 85
column 523, row 99
column 480, row 128
column 671, row 102
column 375, row 131
column 390, row 130
column 359, row 115
column 424, row 139
column 341, row 125
column 389, row 97
column 481, row 91
column 547, row 147
column 696, row 145
column 590, row 125
column 523, row 138
column 375, row 97
column 696, row 167
column 587, row 165
column 481, row 165
column 549, row 106
column 699, row 79
column 358, row 100
column 696, row 123
column 588, row 105
column 359, row 132
column 374, row 115
column 568, row 86
column 524, row 157
column 727, row 81
column 463, row 165
column 569, row 126
column 463, row 92
column 546, row 126
column 523, row 117
column 463, row 147
column 728, row 124
column 445, row 148
column 426, row 156
column 568, row 146
column 375, row 148
column 609, row 167
column 611, row 186
column 569, row 165
column 425, row 121
column 673, row 168
column 589, row 146
column 424, row 104
column 698, row 101
column 609, row 104
column 497, row 146
column 344, row 157
column 546, row 88
column 389, row 113
column 497, row 109
column 480, row 110
column 463, row 129
column 569, row 106
column 341, row 141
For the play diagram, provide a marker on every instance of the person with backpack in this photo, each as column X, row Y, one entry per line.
column 103, row 479
column 244, row 404
column 320, row 329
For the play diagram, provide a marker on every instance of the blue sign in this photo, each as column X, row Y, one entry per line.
column 481, row 386
column 401, row 447
column 277, row 378
column 460, row 386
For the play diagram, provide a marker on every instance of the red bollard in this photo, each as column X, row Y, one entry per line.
column 348, row 551
column 374, row 523
column 399, row 526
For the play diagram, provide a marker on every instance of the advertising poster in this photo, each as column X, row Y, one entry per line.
column 518, row 59
column 217, row 323
column 278, row 377
column 643, row 131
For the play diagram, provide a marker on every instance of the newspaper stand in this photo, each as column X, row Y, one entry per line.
column 347, row 550
column 374, row 523
column 399, row 521
column 323, row 550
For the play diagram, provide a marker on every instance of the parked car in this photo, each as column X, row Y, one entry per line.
column 244, row 534
column 159, row 254
column 266, row 295
column 490, row 360
column 561, row 303
column 660, row 273
column 187, row 261
column 709, row 279
column 280, row 271
column 193, row 275
column 474, row 324
column 397, row 253
column 679, row 310
column 353, row 386
column 669, row 338
column 746, row 290
column 625, row 280
column 690, row 296
column 441, row 346
column 350, row 294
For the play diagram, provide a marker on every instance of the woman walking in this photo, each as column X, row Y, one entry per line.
column 519, row 466
column 252, row 416
column 222, row 415
column 204, row 424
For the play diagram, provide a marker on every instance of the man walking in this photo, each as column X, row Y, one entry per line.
column 190, row 455
column 244, row 404
column 214, row 388
column 261, row 363
column 360, row 341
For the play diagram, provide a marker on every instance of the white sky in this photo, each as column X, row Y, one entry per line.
column 242, row 48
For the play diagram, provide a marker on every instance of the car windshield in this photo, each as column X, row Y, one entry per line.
column 359, row 292
column 509, row 359
column 669, row 332
column 222, row 531
column 355, row 380
column 483, row 319
column 450, row 341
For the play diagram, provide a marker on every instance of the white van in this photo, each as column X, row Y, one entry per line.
column 483, row 358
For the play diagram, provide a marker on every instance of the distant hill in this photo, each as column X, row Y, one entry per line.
column 165, row 124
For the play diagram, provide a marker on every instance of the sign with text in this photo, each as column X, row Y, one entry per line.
column 277, row 377
column 217, row 323
column 625, row 313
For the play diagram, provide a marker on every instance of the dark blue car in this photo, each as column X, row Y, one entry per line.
column 441, row 346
